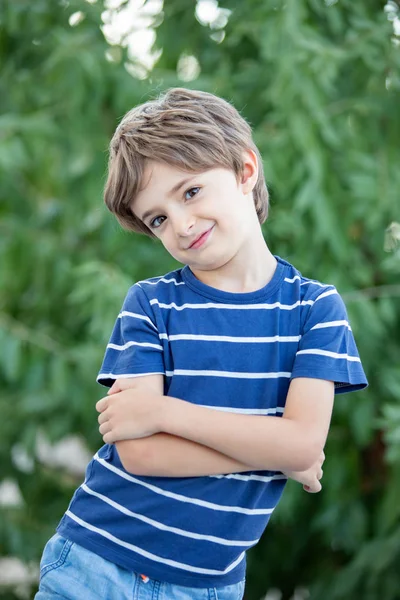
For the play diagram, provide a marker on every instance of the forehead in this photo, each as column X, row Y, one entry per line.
column 159, row 176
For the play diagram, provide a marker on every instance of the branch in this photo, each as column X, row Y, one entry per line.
column 372, row 292
column 24, row 333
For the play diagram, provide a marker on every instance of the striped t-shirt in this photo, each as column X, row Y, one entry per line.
column 228, row 351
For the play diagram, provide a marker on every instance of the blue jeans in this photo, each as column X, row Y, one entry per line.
column 70, row 572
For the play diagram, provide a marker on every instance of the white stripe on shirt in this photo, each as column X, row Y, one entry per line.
column 126, row 313
column 263, row 478
column 180, row 497
column 230, row 374
column 309, row 281
column 126, row 375
column 227, row 338
column 150, row 555
column 328, row 353
column 331, row 324
column 220, row 305
column 163, row 280
column 158, row 525
column 325, row 294
column 129, row 344
column 246, row 411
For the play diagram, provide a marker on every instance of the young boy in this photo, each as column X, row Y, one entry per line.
column 222, row 373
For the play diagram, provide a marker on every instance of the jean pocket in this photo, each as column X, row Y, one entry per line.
column 54, row 554
column 230, row 592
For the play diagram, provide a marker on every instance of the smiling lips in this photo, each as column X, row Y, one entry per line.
column 201, row 239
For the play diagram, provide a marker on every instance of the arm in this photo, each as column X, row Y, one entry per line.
column 291, row 443
column 165, row 455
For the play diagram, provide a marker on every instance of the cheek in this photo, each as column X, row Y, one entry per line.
column 169, row 244
column 231, row 220
column 166, row 243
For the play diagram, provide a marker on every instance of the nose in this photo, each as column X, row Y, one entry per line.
column 183, row 223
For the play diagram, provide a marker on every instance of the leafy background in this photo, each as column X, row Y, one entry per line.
column 319, row 82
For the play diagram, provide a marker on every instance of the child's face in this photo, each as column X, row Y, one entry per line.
column 204, row 219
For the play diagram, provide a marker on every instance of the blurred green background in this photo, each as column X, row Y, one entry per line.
column 319, row 82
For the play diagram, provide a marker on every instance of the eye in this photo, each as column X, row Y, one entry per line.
column 157, row 222
column 191, row 192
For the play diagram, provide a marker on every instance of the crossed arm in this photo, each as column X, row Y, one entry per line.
column 175, row 438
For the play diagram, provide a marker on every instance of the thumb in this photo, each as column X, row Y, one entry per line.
column 314, row 488
column 114, row 389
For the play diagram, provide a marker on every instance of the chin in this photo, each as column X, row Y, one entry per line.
column 211, row 265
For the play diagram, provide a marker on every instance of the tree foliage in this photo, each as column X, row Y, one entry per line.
column 319, row 83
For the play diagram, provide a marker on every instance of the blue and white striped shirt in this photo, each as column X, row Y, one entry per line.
column 228, row 351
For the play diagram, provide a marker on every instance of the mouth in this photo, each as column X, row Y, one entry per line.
column 201, row 239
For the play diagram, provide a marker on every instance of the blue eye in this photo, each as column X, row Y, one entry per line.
column 157, row 222
column 191, row 192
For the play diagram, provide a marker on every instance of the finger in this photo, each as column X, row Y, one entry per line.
column 115, row 388
column 314, row 488
column 108, row 438
column 105, row 428
column 102, row 404
column 103, row 417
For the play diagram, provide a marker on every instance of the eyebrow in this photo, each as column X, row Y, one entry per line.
column 173, row 191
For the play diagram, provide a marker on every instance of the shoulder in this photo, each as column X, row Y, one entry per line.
column 317, row 300
column 306, row 289
column 162, row 283
column 156, row 287
column 149, row 295
column 169, row 289
column 173, row 278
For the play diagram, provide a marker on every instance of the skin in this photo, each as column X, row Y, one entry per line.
column 165, row 455
column 161, row 435
column 236, row 257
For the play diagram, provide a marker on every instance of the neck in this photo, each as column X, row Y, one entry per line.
column 250, row 270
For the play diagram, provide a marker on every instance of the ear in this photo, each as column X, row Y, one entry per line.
column 250, row 171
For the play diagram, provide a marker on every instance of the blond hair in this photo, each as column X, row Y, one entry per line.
column 192, row 130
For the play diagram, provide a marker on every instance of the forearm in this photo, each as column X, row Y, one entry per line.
column 264, row 442
column 165, row 455
column 292, row 442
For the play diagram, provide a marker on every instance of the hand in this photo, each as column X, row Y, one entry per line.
column 129, row 414
column 120, row 385
column 310, row 478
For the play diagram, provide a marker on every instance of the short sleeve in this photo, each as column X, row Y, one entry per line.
column 327, row 349
column 134, row 348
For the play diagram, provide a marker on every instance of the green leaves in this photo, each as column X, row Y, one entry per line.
column 317, row 81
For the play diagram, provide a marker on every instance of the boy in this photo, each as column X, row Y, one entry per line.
column 222, row 373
